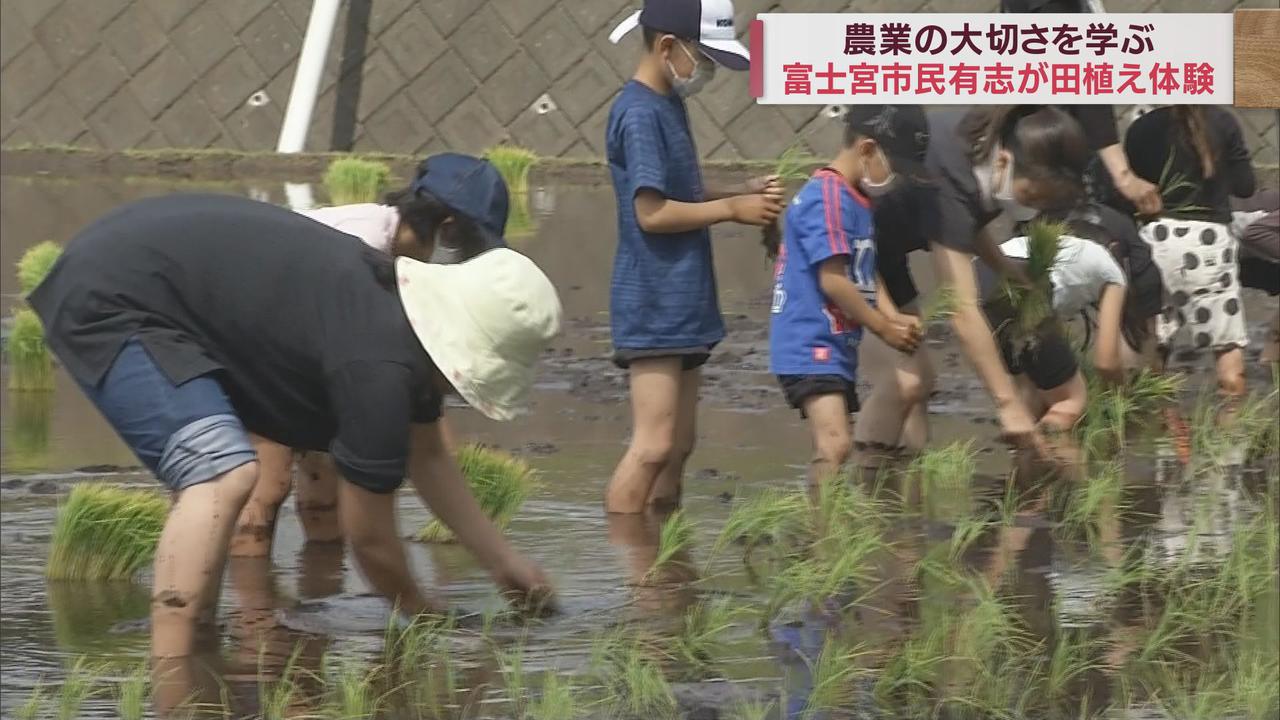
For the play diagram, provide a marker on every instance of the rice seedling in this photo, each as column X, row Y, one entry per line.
column 277, row 696
column 131, row 694
column 352, row 180
column 76, row 688
column 774, row 517
column 832, row 677
column 34, row 705
column 945, row 478
column 511, row 664
column 35, row 265
column 941, row 304
column 103, row 532
column 513, row 164
column 634, row 684
column 1032, row 304
column 1111, row 411
column 792, row 166
column 557, row 701
column 674, row 541
column 1074, row 656
column 354, row 695
column 30, row 363
column 1172, row 184
column 753, row 710
column 1085, row 507
column 500, row 482
column 702, row 630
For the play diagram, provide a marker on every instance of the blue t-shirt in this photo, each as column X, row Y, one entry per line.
column 664, row 285
column 808, row 334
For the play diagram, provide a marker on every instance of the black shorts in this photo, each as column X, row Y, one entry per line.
column 1260, row 274
column 690, row 357
column 1048, row 363
column 798, row 388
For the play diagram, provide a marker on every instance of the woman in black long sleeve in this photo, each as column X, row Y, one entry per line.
column 1197, row 154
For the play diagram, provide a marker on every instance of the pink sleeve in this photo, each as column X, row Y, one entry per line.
column 374, row 224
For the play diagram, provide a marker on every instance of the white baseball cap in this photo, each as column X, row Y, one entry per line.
column 708, row 22
column 484, row 322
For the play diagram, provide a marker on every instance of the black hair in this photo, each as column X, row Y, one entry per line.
column 425, row 213
column 851, row 132
column 1047, row 144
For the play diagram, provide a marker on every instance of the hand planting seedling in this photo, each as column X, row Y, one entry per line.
column 500, row 482
column 352, row 180
column 105, row 533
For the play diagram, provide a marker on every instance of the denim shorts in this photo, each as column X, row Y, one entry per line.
column 186, row 434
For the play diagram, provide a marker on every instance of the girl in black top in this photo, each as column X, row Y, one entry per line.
column 1197, row 155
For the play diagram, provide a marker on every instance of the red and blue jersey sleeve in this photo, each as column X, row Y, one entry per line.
column 827, row 219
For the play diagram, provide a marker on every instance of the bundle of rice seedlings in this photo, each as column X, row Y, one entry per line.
column 513, row 164
column 36, row 264
column 1032, row 304
column 84, row 613
column 1173, row 185
column 792, row 166
column 351, row 180
column 500, row 482
column 105, row 533
column 30, row 363
column 1110, row 411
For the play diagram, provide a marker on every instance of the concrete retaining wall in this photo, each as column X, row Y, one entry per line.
column 403, row 76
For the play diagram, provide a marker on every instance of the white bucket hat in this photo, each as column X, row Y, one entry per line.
column 484, row 322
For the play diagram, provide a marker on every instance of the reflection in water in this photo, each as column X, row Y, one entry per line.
column 320, row 570
column 26, row 443
column 663, row 590
column 87, row 615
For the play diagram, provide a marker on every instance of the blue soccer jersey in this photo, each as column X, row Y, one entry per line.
column 808, row 334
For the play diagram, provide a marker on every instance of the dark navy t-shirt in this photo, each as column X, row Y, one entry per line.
column 808, row 334
column 664, row 286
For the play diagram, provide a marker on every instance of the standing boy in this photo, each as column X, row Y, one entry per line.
column 664, row 312
column 825, row 281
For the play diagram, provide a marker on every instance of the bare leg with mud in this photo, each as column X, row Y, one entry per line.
column 828, row 418
column 317, row 498
column 190, row 558
column 655, row 400
column 256, row 526
column 668, row 489
column 898, row 403
column 1231, row 383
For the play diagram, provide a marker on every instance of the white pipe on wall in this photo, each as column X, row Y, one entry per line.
column 306, row 81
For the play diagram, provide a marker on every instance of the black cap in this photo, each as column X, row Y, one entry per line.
column 902, row 131
column 471, row 187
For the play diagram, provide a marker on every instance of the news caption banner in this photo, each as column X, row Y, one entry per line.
column 971, row 59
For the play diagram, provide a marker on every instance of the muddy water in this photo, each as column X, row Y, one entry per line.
column 748, row 440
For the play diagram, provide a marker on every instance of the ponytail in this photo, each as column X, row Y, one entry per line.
column 1195, row 132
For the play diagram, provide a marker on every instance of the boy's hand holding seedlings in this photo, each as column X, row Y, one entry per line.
column 898, row 332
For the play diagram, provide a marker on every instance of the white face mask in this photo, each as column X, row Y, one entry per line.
column 874, row 189
column 1002, row 192
column 703, row 71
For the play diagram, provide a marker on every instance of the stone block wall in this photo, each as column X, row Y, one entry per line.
column 402, row 76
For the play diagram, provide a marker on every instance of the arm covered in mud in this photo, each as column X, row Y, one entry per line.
column 439, row 482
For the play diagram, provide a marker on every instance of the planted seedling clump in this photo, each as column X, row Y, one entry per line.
column 500, row 482
column 105, row 533
column 353, row 180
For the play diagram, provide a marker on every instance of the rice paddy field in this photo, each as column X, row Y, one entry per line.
column 963, row 584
